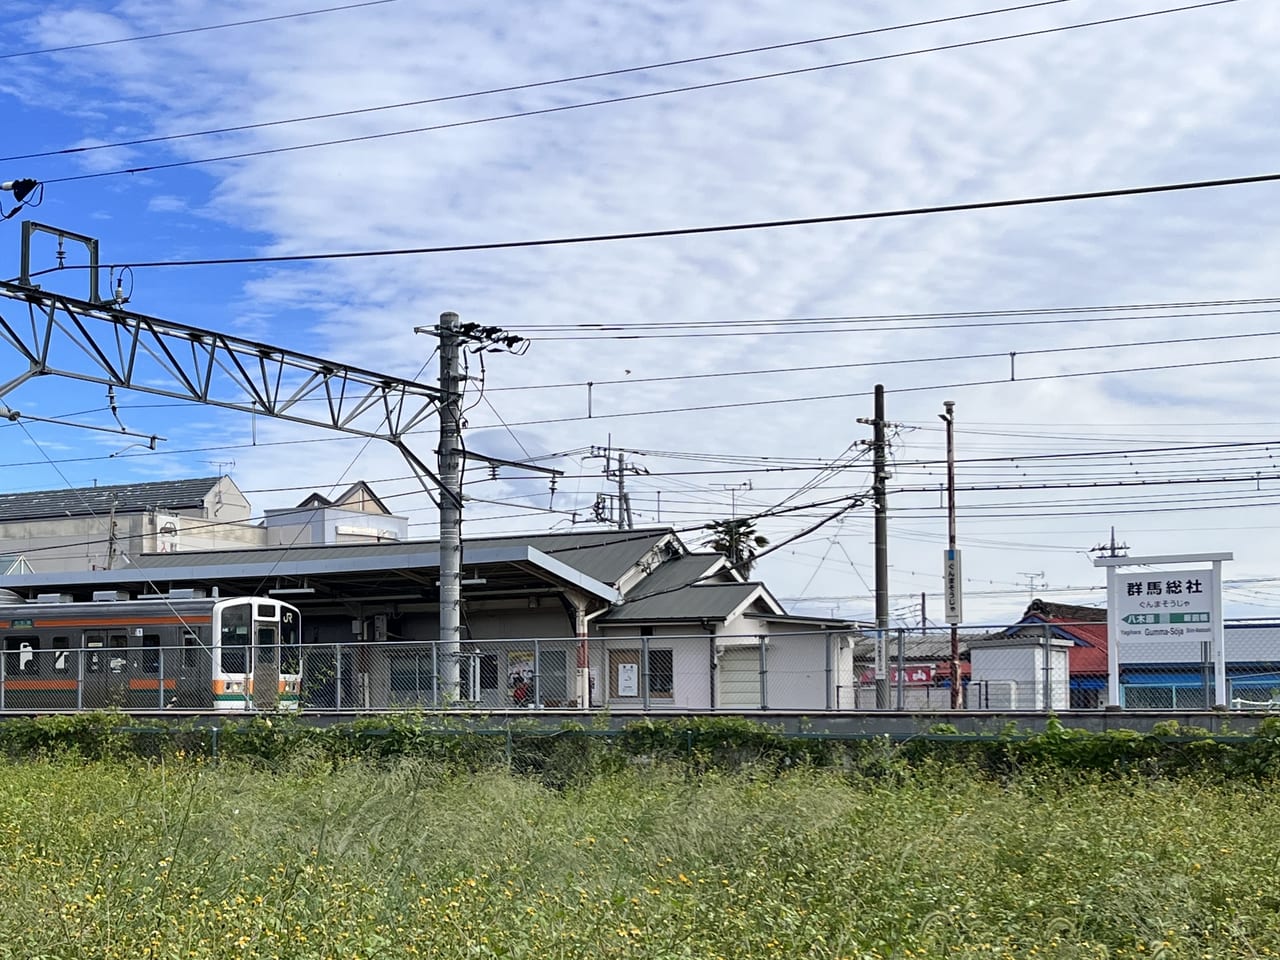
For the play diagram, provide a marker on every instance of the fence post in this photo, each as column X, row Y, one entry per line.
column 827, row 672
column 644, row 672
column 537, row 674
column 337, row 676
column 1048, row 669
column 435, row 675
column 764, row 672
column 901, row 685
column 160, row 679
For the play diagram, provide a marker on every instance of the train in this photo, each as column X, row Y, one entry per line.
column 236, row 654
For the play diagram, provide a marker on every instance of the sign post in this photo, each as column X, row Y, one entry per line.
column 1165, row 615
column 953, row 579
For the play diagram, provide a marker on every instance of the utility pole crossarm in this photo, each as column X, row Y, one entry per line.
column 101, row 343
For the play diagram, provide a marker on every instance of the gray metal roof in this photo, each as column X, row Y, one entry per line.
column 702, row 601
column 679, row 572
column 603, row 555
column 607, row 555
column 354, row 571
column 98, row 501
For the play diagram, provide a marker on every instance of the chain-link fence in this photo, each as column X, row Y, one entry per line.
column 1035, row 667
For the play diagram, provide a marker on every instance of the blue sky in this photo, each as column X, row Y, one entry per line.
column 1186, row 96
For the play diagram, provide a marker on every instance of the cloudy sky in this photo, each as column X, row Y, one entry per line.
column 732, row 367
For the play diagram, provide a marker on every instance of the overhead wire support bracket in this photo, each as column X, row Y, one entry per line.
column 83, row 340
column 98, row 341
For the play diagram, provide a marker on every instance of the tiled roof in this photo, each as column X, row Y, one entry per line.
column 1089, row 654
column 98, row 501
column 1066, row 612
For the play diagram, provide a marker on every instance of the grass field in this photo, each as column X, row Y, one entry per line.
column 196, row 860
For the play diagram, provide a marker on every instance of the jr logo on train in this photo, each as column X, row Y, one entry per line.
column 232, row 653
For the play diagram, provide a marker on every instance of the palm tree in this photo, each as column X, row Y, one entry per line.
column 737, row 540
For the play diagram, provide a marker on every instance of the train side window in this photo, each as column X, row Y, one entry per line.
column 93, row 657
column 151, row 653
column 61, row 658
column 20, row 656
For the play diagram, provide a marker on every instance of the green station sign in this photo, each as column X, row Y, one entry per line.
column 1152, row 618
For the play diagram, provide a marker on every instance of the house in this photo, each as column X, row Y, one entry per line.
column 1083, row 630
column 755, row 655
column 356, row 515
column 106, row 527
column 1152, row 678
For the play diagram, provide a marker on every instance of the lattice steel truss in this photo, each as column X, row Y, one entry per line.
column 99, row 341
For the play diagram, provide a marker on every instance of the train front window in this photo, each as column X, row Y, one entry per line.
column 235, row 640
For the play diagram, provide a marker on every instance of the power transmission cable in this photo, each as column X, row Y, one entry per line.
column 801, row 328
column 944, row 315
column 187, row 30
column 627, row 98
column 1040, row 200
column 950, row 358
column 739, row 404
column 492, row 91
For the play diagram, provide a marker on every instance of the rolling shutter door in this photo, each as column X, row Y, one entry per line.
column 738, row 678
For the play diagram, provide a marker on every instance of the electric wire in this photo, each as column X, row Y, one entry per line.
column 187, row 30
column 1043, row 199
column 509, row 88
column 627, row 98
column 740, row 404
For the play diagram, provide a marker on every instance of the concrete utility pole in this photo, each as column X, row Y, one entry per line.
column 450, row 471
column 624, row 500
column 622, row 519
column 879, row 493
column 949, row 417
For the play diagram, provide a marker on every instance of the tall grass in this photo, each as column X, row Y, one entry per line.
column 125, row 860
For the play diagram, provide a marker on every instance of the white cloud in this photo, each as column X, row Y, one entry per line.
column 1179, row 97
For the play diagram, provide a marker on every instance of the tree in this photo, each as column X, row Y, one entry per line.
column 737, row 540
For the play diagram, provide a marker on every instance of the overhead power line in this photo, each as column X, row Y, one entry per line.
column 627, row 98
column 865, row 393
column 188, row 30
column 897, row 361
column 492, row 91
column 896, row 317
column 730, row 329
column 697, row 231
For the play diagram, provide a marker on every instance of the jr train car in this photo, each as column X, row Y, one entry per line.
column 216, row 653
